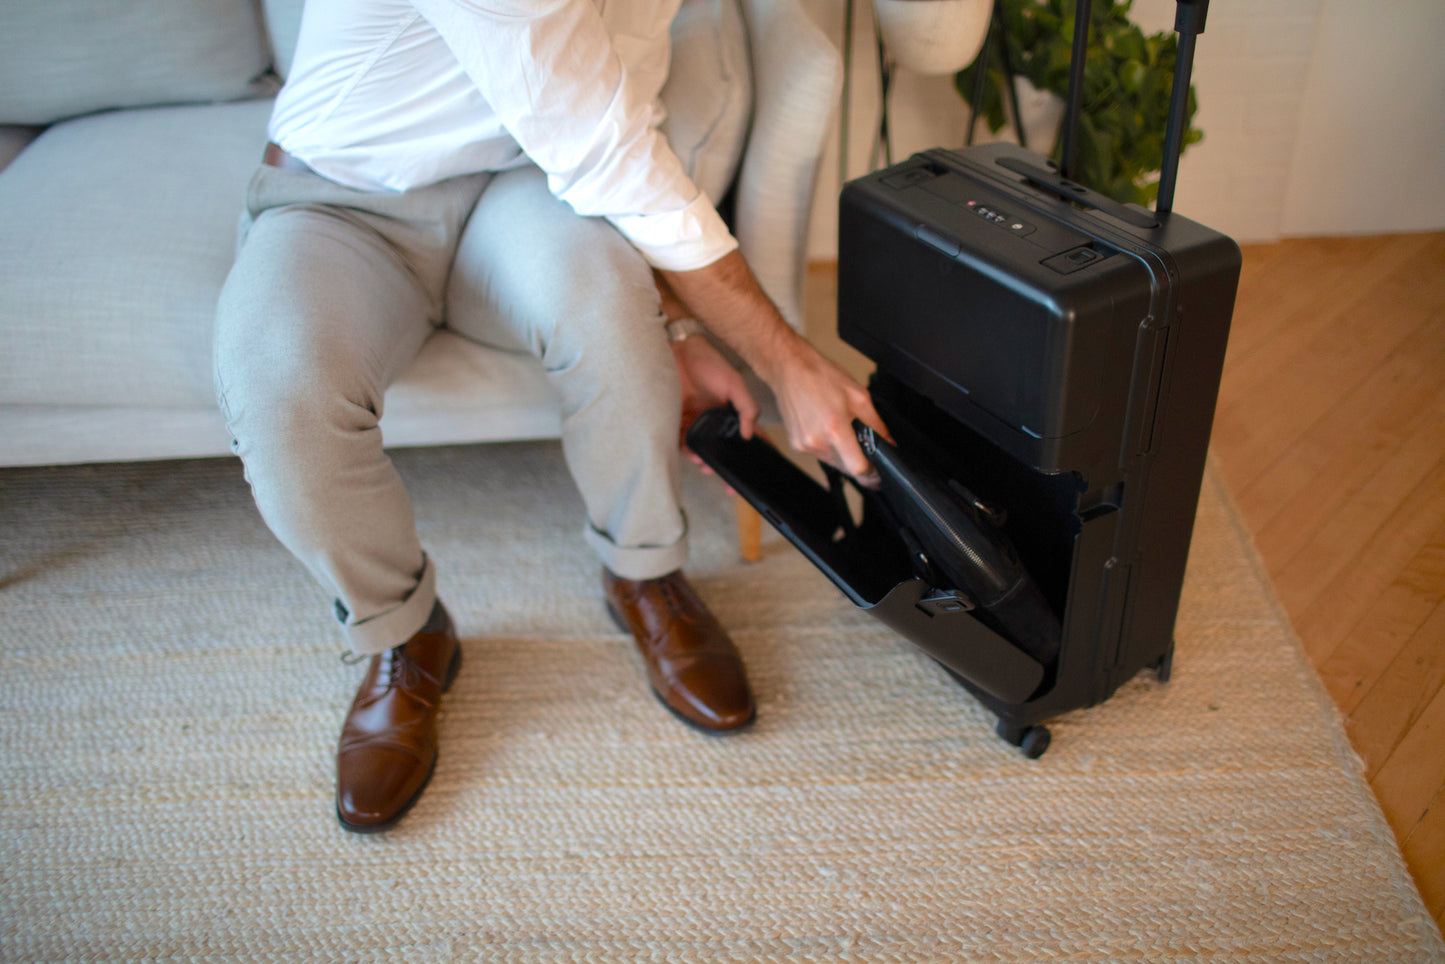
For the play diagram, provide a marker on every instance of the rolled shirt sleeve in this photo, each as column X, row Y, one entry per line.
column 551, row 72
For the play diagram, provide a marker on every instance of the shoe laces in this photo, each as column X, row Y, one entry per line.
column 404, row 672
column 679, row 602
column 395, row 671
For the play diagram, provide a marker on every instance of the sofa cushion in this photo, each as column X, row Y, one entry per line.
column 62, row 58
column 119, row 230
column 283, row 23
column 709, row 92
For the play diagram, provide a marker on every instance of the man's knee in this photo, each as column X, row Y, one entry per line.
column 562, row 285
column 618, row 360
column 274, row 391
column 604, row 305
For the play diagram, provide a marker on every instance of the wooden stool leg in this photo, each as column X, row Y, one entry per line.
column 750, row 530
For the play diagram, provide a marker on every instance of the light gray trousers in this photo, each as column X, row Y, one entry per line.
column 332, row 295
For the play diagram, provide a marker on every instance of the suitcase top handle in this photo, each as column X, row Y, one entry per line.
column 1189, row 23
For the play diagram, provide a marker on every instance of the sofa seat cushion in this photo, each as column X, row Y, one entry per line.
column 119, row 232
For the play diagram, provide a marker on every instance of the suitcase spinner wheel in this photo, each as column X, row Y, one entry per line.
column 1033, row 741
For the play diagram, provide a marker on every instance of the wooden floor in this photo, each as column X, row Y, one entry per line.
column 1330, row 434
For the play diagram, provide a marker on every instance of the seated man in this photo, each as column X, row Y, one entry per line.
column 534, row 123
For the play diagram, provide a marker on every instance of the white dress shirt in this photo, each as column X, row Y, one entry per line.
column 396, row 94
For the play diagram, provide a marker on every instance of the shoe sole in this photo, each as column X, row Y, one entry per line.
column 694, row 724
column 453, row 668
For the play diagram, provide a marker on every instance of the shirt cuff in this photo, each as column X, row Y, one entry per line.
column 684, row 240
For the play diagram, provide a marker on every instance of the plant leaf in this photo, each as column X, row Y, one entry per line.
column 1127, row 78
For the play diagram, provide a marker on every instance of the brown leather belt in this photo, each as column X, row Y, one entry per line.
column 277, row 158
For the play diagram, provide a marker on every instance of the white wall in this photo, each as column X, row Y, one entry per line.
column 1370, row 153
column 1319, row 116
column 1251, row 69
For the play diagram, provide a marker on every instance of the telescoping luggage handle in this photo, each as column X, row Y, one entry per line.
column 1189, row 24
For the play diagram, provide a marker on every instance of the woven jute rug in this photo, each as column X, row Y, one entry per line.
column 171, row 696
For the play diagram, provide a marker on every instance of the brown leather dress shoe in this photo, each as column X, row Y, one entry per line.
column 388, row 744
column 693, row 667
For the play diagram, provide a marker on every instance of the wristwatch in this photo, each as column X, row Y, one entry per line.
column 681, row 329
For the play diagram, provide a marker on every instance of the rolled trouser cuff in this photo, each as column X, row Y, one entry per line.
column 638, row 562
column 381, row 632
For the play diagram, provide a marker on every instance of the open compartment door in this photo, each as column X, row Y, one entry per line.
column 866, row 559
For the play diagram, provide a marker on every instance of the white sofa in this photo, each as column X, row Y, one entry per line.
column 128, row 132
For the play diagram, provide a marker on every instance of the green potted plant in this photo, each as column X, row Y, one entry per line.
column 1127, row 80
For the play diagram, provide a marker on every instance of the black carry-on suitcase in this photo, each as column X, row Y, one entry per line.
column 1048, row 365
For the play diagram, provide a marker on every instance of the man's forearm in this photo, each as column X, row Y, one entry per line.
column 817, row 399
column 726, row 297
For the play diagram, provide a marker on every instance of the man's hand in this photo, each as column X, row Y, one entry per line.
column 708, row 380
column 818, row 400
